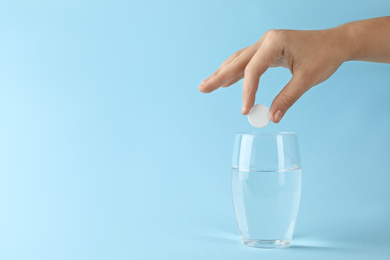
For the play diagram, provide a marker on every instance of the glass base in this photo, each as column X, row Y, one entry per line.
column 266, row 243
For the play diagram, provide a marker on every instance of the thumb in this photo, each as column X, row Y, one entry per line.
column 286, row 98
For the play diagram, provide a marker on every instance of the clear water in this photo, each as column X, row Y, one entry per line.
column 266, row 203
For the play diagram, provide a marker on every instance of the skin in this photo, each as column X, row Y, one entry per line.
column 311, row 56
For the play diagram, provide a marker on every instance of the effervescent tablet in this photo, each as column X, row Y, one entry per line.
column 259, row 116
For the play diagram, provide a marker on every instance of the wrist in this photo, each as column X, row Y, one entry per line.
column 346, row 42
column 367, row 40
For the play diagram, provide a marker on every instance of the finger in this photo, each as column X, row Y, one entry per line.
column 228, row 73
column 255, row 68
column 226, row 62
column 231, row 58
column 294, row 89
column 239, row 76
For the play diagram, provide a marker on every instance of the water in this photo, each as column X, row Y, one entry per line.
column 266, row 204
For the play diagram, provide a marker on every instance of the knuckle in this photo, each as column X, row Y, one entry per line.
column 239, row 52
column 218, row 70
column 275, row 35
column 237, row 59
column 287, row 100
column 272, row 34
column 236, row 53
column 232, row 58
column 221, row 75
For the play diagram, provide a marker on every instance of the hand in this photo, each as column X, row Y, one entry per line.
column 311, row 56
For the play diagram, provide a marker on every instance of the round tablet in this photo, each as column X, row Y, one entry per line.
column 259, row 116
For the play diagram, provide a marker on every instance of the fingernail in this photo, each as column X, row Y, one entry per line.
column 278, row 116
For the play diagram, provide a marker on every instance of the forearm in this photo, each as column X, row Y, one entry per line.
column 368, row 40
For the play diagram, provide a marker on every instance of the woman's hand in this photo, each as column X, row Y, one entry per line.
column 311, row 56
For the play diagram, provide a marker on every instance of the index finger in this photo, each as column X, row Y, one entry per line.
column 253, row 71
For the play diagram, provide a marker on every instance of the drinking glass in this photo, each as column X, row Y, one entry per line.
column 266, row 182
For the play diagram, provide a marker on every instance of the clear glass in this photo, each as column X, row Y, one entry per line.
column 266, row 182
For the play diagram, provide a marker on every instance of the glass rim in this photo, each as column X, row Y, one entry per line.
column 266, row 133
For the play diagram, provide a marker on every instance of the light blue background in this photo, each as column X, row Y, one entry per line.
column 108, row 150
